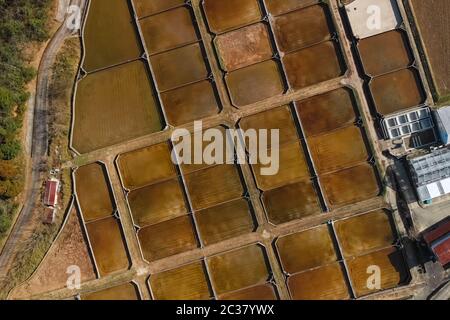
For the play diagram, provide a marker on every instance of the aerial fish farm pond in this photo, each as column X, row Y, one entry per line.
column 226, row 231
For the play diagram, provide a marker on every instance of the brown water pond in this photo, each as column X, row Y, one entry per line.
column 385, row 52
column 277, row 7
column 168, row 30
column 145, row 166
column 108, row 245
column 167, row 238
column 179, row 67
column 364, row 233
column 93, row 192
column 305, row 250
column 231, row 14
column 292, row 167
column 262, row 292
column 338, row 149
column 397, row 91
column 239, row 269
column 214, row 185
column 327, row 112
column 113, row 106
column 392, row 266
column 313, row 65
column 279, row 118
column 294, row 201
column 324, row 283
column 255, row 83
column 350, row 185
column 157, row 203
column 302, row 28
column 110, row 35
column 189, row 103
column 127, row 291
column 188, row 282
column 146, row 8
column 225, row 221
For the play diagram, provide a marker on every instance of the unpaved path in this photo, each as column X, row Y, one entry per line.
column 39, row 147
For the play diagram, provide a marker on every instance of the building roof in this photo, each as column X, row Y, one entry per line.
column 444, row 116
column 438, row 239
column 407, row 123
column 359, row 13
column 49, row 215
column 431, row 174
column 442, row 249
column 51, row 193
column 432, row 167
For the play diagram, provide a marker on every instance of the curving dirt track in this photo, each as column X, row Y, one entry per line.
column 38, row 148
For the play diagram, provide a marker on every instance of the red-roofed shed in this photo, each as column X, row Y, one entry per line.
column 49, row 215
column 51, row 193
column 438, row 239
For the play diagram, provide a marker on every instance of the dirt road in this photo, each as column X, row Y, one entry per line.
column 38, row 148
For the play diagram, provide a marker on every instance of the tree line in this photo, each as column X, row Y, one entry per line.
column 22, row 23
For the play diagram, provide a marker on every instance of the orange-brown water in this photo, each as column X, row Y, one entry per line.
column 364, row 233
column 302, row 28
column 255, row 83
column 158, row 202
column 339, row 149
column 385, row 52
column 324, row 283
column 291, row 202
column 397, row 91
column 392, row 270
column 168, row 30
column 108, row 245
column 167, row 238
column 231, row 14
column 127, row 291
column 350, row 185
column 145, row 166
column 238, row 269
column 113, row 106
column 326, row 112
column 224, row 221
column 184, row 283
column 313, row 65
column 93, row 192
column 305, row 250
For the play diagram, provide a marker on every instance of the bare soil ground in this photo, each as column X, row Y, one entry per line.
column 70, row 248
column 244, row 47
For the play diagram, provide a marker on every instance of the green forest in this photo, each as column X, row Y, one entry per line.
column 22, row 22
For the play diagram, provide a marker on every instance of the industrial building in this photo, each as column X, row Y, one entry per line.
column 407, row 123
column 442, row 119
column 431, row 174
column 438, row 240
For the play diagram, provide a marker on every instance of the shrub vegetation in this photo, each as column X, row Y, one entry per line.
column 22, row 23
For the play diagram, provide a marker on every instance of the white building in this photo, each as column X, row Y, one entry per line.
column 431, row 174
column 442, row 117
